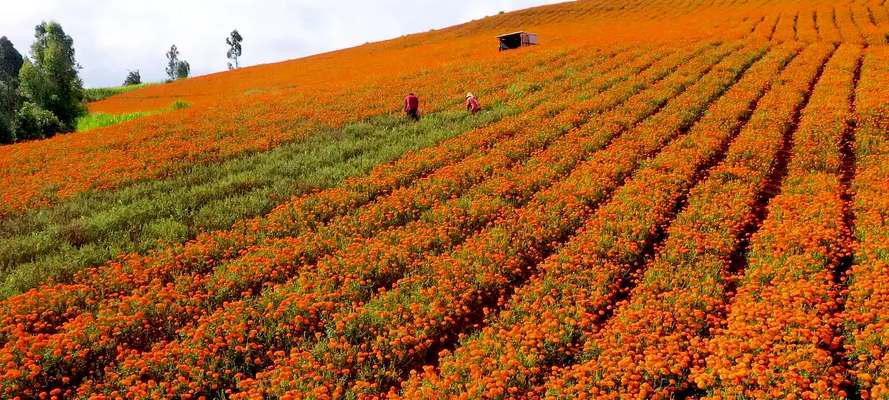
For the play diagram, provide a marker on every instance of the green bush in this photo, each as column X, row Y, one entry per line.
column 180, row 105
column 34, row 122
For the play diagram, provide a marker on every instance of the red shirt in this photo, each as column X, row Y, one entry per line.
column 411, row 103
column 472, row 105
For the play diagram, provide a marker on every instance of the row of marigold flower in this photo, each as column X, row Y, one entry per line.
column 780, row 337
column 866, row 314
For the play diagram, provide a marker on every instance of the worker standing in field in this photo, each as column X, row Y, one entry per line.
column 412, row 106
column 472, row 104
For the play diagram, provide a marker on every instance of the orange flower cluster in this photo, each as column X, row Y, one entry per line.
column 153, row 311
column 780, row 335
column 866, row 318
column 549, row 319
column 379, row 342
column 649, row 346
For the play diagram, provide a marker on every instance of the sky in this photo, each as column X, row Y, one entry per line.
column 112, row 37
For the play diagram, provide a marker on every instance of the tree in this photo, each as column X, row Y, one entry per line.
column 133, row 78
column 10, row 64
column 234, row 51
column 8, row 104
column 176, row 68
column 10, row 60
column 172, row 62
column 50, row 80
column 183, row 70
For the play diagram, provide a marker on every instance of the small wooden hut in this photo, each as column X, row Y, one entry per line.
column 515, row 40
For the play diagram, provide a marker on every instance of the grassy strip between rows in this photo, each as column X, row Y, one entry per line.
column 93, row 227
column 96, row 94
column 100, row 120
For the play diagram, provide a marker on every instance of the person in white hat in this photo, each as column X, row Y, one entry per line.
column 472, row 104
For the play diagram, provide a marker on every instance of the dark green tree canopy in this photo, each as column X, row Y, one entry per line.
column 10, row 60
column 183, row 70
column 10, row 64
column 50, row 80
column 8, row 105
column 53, row 51
column 133, row 78
column 234, row 48
column 176, row 68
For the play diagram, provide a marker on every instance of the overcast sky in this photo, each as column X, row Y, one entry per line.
column 113, row 36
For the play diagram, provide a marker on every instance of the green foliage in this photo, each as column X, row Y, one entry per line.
column 133, row 78
column 10, row 64
column 183, row 70
column 180, row 105
column 100, row 120
column 176, row 68
column 50, row 79
column 33, row 122
column 96, row 94
column 10, row 60
column 8, row 103
column 54, row 243
column 522, row 89
column 234, row 48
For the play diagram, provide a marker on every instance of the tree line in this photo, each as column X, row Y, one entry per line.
column 44, row 95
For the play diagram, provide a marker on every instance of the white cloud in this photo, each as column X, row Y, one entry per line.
column 113, row 36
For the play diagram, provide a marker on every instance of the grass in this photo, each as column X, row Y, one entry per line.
column 54, row 243
column 100, row 120
column 96, row 94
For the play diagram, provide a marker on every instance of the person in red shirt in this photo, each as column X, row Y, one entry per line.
column 472, row 104
column 412, row 106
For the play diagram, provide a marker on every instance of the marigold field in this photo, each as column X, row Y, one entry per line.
column 665, row 199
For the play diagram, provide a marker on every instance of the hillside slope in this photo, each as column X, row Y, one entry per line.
column 666, row 198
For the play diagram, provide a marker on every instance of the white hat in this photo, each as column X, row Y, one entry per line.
column 468, row 95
